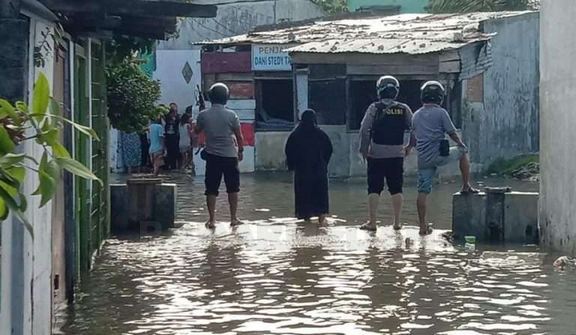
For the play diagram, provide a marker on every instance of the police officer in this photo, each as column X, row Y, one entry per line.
column 382, row 146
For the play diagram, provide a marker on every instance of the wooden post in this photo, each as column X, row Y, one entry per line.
column 301, row 92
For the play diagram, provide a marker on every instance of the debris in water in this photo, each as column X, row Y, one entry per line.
column 448, row 236
column 563, row 261
column 408, row 242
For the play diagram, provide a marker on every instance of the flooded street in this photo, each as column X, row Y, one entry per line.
column 278, row 276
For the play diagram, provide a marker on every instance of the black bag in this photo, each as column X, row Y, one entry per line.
column 444, row 148
column 203, row 154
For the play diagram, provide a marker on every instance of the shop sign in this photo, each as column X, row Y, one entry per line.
column 270, row 57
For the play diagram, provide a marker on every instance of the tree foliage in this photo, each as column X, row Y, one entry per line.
column 122, row 48
column 131, row 96
column 42, row 122
column 467, row 6
column 332, row 7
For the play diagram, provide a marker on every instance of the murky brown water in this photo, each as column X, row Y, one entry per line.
column 277, row 276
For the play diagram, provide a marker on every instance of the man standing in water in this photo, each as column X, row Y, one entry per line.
column 430, row 124
column 224, row 150
column 171, row 136
column 382, row 146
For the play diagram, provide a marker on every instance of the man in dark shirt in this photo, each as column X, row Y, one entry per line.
column 382, row 146
column 171, row 137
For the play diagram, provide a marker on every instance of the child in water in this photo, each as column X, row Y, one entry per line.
column 157, row 147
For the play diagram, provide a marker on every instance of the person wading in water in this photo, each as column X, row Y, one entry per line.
column 382, row 146
column 430, row 125
column 308, row 152
column 223, row 152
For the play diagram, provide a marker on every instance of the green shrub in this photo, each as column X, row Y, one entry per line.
column 131, row 96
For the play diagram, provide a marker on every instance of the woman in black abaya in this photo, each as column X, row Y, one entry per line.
column 308, row 153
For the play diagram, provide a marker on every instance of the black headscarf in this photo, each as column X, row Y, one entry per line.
column 308, row 146
column 308, row 119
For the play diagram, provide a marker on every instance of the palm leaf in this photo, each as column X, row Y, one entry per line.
column 468, row 6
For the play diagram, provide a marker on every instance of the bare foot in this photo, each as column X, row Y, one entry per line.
column 426, row 230
column 368, row 226
column 468, row 189
column 210, row 225
column 236, row 222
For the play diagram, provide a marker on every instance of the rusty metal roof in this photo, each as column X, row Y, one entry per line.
column 405, row 33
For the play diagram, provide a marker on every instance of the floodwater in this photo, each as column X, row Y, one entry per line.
column 278, row 276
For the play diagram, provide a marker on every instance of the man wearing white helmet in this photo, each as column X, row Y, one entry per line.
column 223, row 151
column 382, row 146
column 430, row 125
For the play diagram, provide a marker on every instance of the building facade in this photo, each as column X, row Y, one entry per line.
column 53, row 38
column 335, row 65
column 69, row 230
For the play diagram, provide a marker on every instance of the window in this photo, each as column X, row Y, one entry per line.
column 363, row 93
column 274, row 104
column 328, row 99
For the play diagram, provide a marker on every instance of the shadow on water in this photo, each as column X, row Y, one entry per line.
column 275, row 275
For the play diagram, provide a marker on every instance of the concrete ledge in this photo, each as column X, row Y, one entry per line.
column 504, row 217
column 163, row 211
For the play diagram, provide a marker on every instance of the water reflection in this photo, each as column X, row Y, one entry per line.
column 278, row 276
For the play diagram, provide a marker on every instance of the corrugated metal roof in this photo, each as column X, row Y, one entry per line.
column 534, row 4
column 406, row 33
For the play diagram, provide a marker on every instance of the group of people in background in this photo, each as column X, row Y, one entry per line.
column 168, row 143
column 309, row 150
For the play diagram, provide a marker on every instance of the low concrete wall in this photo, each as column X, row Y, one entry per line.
column 164, row 212
column 346, row 160
column 513, row 219
column 269, row 147
column 341, row 160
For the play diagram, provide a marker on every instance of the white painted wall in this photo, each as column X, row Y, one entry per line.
column 169, row 66
column 42, row 269
column 114, row 162
column 557, row 120
column 26, row 282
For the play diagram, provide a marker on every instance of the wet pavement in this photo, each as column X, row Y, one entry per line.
column 278, row 276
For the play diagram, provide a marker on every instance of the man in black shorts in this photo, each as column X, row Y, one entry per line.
column 223, row 152
column 382, row 146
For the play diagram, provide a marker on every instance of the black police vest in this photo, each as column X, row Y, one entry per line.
column 389, row 124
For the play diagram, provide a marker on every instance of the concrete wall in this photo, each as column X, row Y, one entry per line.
column 557, row 135
column 345, row 162
column 239, row 18
column 269, row 151
column 506, row 124
column 169, row 66
column 406, row 6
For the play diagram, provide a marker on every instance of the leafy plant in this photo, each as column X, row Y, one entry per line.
column 122, row 48
column 43, row 123
column 43, row 47
column 332, row 6
column 467, row 6
column 131, row 96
